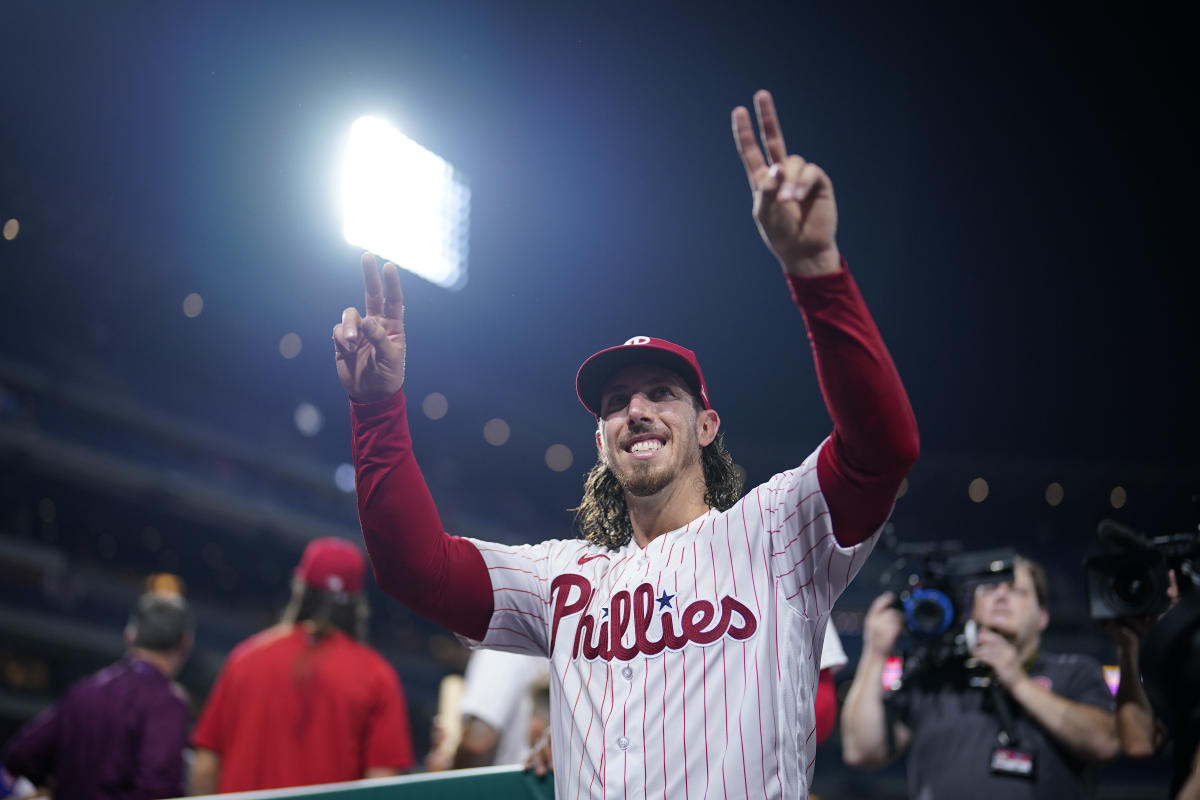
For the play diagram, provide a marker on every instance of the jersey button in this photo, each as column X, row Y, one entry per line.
column 623, row 743
column 627, row 673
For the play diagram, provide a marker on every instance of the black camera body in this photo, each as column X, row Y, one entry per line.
column 1130, row 578
column 934, row 585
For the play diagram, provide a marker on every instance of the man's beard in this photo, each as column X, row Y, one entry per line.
column 644, row 482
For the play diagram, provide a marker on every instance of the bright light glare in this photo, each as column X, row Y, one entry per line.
column 404, row 203
column 435, row 405
column 1118, row 497
column 193, row 304
column 343, row 476
column 559, row 457
column 496, row 432
column 308, row 419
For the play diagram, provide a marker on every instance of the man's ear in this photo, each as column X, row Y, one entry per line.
column 708, row 423
column 1043, row 619
column 600, row 445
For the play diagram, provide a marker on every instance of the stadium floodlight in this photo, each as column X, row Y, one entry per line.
column 405, row 204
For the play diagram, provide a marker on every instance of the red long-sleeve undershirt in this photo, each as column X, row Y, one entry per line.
column 444, row 578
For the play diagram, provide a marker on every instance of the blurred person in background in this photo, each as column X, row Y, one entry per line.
column 306, row 701
column 496, row 711
column 121, row 732
column 1142, row 732
column 1011, row 722
column 833, row 658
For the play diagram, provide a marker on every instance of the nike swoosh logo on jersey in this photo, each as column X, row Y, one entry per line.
column 585, row 559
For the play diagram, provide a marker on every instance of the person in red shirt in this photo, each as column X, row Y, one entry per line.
column 306, row 701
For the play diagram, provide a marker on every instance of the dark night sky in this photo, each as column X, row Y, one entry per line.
column 1015, row 189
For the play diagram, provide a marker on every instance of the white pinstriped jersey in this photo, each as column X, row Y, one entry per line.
column 687, row 669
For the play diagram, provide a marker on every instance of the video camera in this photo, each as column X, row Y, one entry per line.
column 1129, row 579
column 934, row 584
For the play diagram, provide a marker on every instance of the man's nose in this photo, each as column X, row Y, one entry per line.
column 640, row 407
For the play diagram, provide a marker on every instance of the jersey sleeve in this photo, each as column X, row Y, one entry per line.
column 809, row 565
column 31, row 752
column 389, row 737
column 874, row 440
column 439, row 576
column 520, row 577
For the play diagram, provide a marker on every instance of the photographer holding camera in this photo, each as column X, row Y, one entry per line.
column 1142, row 590
column 1170, row 671
column 1009, row 721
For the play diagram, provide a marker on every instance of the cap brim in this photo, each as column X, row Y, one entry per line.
column 601, row 367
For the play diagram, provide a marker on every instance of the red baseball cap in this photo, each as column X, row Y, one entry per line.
column 332, row 565
column 601, row 367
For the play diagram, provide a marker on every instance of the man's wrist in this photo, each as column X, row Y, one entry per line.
column 1017, row 685
column 826, row 262
column 872, row 662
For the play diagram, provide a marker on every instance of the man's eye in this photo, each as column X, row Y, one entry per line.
column 663, row 392
column 614, row 402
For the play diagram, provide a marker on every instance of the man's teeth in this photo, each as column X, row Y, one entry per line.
column 646, row 446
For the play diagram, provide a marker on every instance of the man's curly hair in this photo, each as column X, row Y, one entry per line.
column 603, row 518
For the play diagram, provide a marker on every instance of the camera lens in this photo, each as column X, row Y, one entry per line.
column 929, row 612
column 1132, row 588
column 1127, row 583
column 928, row 616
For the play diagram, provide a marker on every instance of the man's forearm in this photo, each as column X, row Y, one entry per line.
column 478, row 745
column 439, row 576
column 1087, row 731
column 205, row 773
column 875, row 440
column 1135, row 716
column 864, row 718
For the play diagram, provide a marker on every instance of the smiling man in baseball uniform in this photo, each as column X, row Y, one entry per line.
column 684, row 630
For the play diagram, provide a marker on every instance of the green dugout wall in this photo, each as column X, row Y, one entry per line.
column 487, row 783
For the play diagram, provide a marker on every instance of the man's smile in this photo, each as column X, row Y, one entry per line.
column 645, row 445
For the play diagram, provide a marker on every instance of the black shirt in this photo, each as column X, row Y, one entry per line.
column 955, row 729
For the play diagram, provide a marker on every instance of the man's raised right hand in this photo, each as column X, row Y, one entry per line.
column 369, row 351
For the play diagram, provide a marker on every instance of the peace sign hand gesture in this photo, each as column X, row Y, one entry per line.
column 369, row 351
column 793, row 199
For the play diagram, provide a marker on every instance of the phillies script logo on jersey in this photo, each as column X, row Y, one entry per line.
column 634, row 614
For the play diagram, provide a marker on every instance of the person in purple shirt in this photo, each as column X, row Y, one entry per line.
column 119, row 733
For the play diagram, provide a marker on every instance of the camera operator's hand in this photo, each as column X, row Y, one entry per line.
column 882, row 625
column 1001, row 655
column 1127, row 631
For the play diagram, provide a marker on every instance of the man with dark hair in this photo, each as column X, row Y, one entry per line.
column 1023, row 724
column 306, row 701
column 685, row 630
column 119, row 733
